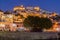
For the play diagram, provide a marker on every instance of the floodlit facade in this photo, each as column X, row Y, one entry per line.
column 37, row 8
column 14, row 21
column 19, row 8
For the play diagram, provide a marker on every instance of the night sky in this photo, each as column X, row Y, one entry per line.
column 50, row 5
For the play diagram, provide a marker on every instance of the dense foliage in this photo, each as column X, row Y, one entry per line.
column 37, row 23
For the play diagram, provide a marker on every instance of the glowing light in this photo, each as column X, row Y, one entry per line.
column 21, row 28
column 2, row 25
column 45, row 16
column 56, row 22
column 10, row 16
column 14, row 25
column 37, row 8
column 55, row 26
column 58, row 29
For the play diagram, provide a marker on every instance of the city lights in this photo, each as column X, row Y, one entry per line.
column 15, row 22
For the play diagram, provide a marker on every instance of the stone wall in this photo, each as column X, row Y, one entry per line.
column 29, row 35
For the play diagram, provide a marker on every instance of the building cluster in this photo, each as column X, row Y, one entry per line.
column 13, row 21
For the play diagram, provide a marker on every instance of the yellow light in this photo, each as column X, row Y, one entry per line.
column 2, row 25
column 44, row 15
column 37, row 8
column 14, row 25
column 56, row 23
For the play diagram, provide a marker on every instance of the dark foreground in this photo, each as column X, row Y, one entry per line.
column 5, row 38
column 29, row 36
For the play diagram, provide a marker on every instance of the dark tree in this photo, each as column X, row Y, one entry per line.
column 37, row 24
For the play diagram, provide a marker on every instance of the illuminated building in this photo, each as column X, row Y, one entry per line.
column 54, row 14
column 21, row 8
column 14, row 21
column 37, row 8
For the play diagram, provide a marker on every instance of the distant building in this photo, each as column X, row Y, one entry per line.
column 21, row 8
column 11, row 21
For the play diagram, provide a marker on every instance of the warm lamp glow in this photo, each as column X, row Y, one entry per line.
column 58, row 29
column 14, row 25
column 2, row 25
column 37, row 8
column 56, row 22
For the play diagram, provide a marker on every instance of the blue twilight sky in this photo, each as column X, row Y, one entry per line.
column 50, row 5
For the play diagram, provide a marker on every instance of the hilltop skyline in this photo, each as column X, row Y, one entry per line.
column 49, row 5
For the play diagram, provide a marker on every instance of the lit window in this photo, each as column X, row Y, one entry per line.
column 2, row 25
column 14, row 25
